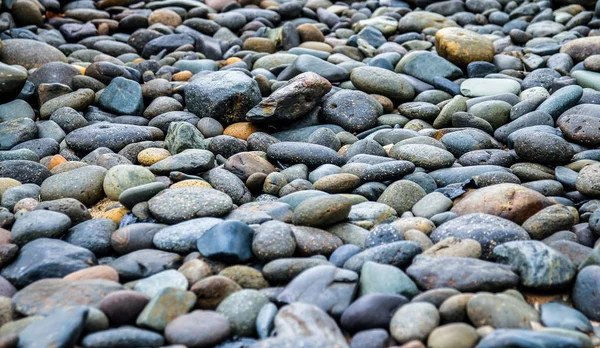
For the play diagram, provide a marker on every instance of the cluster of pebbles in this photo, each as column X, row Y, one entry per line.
column 274, row 173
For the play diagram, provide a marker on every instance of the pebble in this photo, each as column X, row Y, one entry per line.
column 304, row 169
column 241, row 309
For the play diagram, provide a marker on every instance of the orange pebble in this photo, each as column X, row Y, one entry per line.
column 138, row 60
column 96, row 272
column 115, row 214
column 182, row 75
column 233, row 60
column 241, row 130
column 56, row 160
column 80, row 68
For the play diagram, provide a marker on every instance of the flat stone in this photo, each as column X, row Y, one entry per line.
column 46, row 295
column 488, row 87
column 164, row 307
column 463, row 274
column 177, row 205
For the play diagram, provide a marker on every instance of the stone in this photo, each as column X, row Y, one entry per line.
column 580, row 49
column 229, row 242
column 180, row 204
column 414, row 321
column 164, row 307
column 182, row 237
column 322, row 211
column 273, row 240
column 123, row 336
column 399, row 254
column 47, row 258
column 310, row 154
column 457, row 335
column 61, row 329
column 154, row 284
column 327, row 287
column 241, row 309
column 29, row 53
column 455, row 247
column 554, row 314
column 463, row 274
column 78, row 100
column 39, row 224
column 47, row 295
column 499, row 338
column 501, row 311
column 425, row 65
column 144, row 263
column 374, row 80
column 587, row 180
column 461, row 46
column 523, row 202
column 225, row 96
column 113, row 136
column 425, row 156
column 371, row 311
column 377, row 278
column 182, row 136
column 355, row 111
column 549, row 220
column 300, row 320
column 122, row 177
column 84, row 184
column 478, row 87
column 198, row 329
column 402, row 195
column 538, row 265
column 584, row 288
column 488, row 230
column 212, row 290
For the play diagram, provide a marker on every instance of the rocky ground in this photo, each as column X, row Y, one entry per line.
column 302, row 173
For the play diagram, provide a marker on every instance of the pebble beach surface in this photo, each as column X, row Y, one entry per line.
column 300, row 174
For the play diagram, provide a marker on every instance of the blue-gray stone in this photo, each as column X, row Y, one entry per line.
column 123, row 97
column 229, row 242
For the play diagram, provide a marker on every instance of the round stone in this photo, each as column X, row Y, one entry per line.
column 462, row 46
column 122, row 177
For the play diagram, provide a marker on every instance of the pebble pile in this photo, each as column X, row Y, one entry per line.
column 300, row 173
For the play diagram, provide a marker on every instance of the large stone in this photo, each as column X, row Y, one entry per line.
column 111, row 135
column 291, row 101
column 461, row 273
column 327, row 287
column 580, row 49
column 487, row 230
column 46, row 295
column 180, row 204
column 84, row 184
column 462, row 46
column 501, row 311
column 198, row 329
column 123, row 97
column 510, row 201
column 61, row 329
column 225, row 96
column 301, row 320
column 164, row 307
column 47, row 258
column 122, row 177
column 538, row 265
column 241, row 309
column 29, row 53
column 425, row 65
column 375, row 80
column 588, row 180
column 414, row 321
